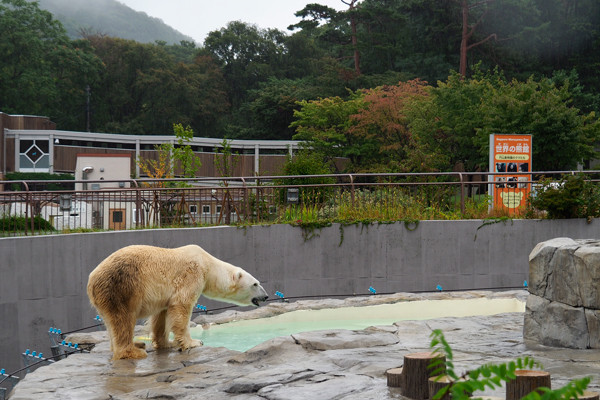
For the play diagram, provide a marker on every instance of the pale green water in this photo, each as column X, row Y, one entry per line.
column 245, row 334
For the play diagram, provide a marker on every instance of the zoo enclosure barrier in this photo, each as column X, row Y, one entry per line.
column 46, row 207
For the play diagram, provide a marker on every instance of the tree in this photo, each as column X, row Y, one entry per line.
column 173, row 159
column 384, row 121
column 144, row 90
column 335, row 31
column 41, row 70
column 324, row 124
column 352, row 6
column 469, row 30
column 420, row 38
column 247, row 56
column 459, row 115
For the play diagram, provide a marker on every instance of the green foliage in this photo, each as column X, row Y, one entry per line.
column 183, row 153
column 40, row 176
column 324, row 124
column 491, row 376
column 145, row 90
column 574, row 196
column 460, row 114
column 173, row 159
column 384, row 124
column 248, row 55
column 306, row 162
column 21, row 224
column 225, row 160
column 42, row 72
column 246, row 82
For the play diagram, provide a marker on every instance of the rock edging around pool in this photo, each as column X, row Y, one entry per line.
column 277, row 307
column 338, row 364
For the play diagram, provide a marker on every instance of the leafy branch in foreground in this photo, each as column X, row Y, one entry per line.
column 491, row 375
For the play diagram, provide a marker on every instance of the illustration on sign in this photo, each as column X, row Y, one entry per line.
column 510, row 155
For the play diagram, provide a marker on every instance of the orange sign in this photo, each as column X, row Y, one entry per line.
column 510, row 155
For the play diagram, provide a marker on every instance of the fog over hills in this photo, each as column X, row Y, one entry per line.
column 109, row 17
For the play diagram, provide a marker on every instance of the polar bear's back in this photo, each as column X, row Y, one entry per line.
column 145, row 277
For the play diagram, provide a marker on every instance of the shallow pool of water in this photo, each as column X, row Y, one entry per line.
column 245, row 334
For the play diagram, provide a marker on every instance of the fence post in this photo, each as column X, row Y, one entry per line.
column 245, row 193
column 462, row 194
column 28, row 206
column 351, row 189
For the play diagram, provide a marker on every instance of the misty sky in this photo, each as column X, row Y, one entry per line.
column 196, row 18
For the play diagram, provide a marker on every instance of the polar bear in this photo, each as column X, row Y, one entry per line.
column 164, row 284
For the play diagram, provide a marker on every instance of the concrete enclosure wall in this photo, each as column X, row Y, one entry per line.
column 43, row 279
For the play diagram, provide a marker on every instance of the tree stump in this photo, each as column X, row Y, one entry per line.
column 416, row 374
column 526, row 382
column 436, row 383
column 589, row 395
column 394, row 377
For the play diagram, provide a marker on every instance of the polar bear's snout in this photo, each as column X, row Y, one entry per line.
column 261, row 295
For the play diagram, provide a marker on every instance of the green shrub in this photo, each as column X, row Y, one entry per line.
column 19, row 223
column 574, row 196
column 306, row 162
column 40, row 176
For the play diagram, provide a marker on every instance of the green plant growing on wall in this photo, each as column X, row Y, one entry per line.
column 491, row 375
column 574, row 196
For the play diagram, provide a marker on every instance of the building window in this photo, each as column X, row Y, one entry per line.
column 34, row 155
column 193, row 209
column 206, row 209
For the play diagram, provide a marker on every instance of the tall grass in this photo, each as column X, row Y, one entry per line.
column 386, row 205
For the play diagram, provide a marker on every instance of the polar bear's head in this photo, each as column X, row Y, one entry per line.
column 233, row 285
column 247, row 290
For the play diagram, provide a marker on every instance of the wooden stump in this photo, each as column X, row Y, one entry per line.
column 416, row 374
column 589, row 395
column 394, row 377
column 526, row 382
column 436, row 383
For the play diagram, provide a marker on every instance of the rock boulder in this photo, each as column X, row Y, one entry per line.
column 563, row 307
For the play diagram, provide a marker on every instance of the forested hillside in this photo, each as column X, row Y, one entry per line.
column 109, row 17
column 408, row 85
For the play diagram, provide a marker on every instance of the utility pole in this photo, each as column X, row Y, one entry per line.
column 87, row 107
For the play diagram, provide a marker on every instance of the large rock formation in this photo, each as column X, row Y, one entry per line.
column 563, row 308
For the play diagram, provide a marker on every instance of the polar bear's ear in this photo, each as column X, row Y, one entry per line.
column 239, row 275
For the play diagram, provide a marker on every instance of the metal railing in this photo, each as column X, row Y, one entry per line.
column 48, row 207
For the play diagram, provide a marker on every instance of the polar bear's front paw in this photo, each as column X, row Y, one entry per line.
column 164, row 344
column 191, row 344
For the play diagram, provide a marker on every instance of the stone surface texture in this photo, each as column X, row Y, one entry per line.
column 563, row 308
column 333, row 364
